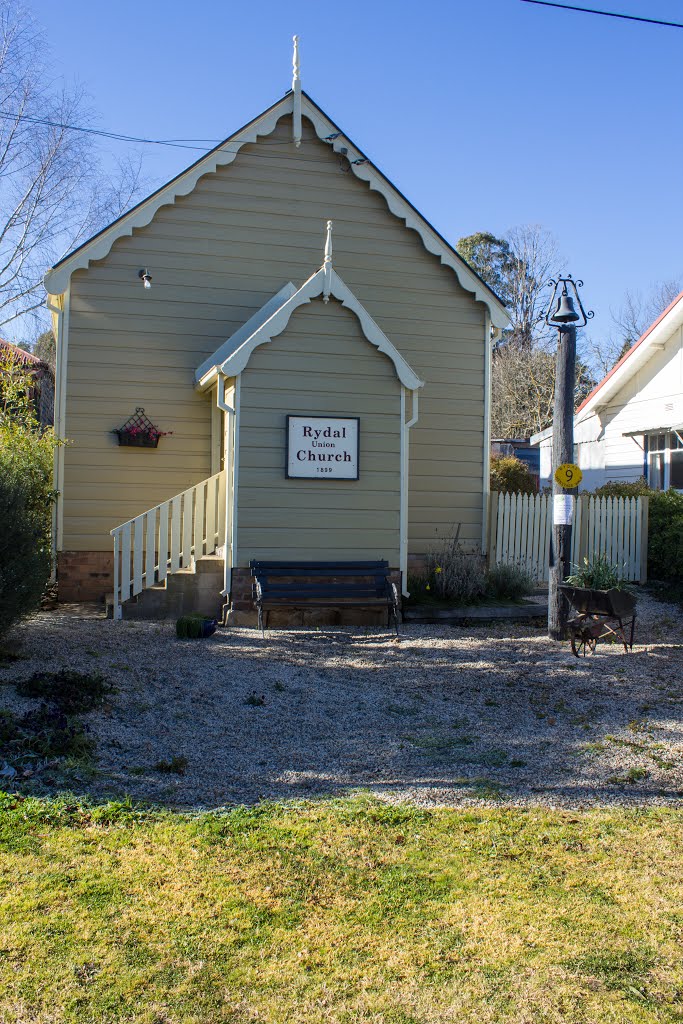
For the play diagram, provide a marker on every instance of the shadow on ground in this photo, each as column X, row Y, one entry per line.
column 450, row 715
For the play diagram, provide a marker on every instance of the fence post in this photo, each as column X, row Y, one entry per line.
column 493, row 527
column 644, row 503
column 582, row 546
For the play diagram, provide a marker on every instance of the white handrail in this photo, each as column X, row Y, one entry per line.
column 167, row 538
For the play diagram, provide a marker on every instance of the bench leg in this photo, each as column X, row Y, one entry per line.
column 260, row 622
column 394, row 612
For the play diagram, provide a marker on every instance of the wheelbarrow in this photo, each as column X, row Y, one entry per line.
column 599, row 615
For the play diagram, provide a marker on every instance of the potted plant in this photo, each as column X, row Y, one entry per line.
column 597, row 577
column 139, row 431
column 602, row 601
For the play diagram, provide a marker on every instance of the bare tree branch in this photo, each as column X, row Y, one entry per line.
column 53, row 192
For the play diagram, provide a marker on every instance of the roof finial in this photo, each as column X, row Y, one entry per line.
column 296, row 89
column 295, row 64
column 327, row 263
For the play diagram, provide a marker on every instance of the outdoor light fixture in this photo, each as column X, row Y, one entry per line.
column 146, row 278
column 565, row 295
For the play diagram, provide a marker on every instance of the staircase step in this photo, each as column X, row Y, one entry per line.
column 193, row 589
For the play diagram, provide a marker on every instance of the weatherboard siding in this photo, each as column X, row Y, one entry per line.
column 321, row 365
column 215, row 257
column 652, row 398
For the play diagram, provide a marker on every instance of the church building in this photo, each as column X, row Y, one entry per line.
column 273, row 356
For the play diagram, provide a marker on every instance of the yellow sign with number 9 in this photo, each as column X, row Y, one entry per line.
column 568, row 475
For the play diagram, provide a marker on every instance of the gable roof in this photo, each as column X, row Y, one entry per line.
column 20, row 354
column 56, row 279
column 654, row 337
column 245, row 331
column 26, row 358
column 324, row 283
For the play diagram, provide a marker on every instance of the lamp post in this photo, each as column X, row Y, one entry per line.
column 562, row 313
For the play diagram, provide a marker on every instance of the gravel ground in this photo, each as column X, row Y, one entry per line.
column 448, row 716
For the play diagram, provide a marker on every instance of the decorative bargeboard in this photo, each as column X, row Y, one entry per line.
column 323, row 447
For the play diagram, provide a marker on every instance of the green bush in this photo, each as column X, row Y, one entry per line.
column 665, row 526
column 625, row 489
column 511, row 476
column 68, row 690
column 505, row 582
column 665, row 536
column 457, row 576
column 43, row 732
column 26, row 497
column 24, row 548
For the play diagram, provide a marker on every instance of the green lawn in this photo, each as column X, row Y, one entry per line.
column 346, row 911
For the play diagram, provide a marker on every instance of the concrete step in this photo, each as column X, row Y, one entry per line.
column 194, row 589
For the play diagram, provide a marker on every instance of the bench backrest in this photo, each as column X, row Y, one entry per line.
column 321, row 579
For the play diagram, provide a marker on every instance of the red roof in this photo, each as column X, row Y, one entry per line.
column 20, row 353
column 630, row 352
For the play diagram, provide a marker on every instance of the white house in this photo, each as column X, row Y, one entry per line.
column 631, row 424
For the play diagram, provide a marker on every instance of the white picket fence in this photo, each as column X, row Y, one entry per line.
column 167, row 538
column 520, row 526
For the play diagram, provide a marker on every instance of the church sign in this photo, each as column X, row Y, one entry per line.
column 323, row 447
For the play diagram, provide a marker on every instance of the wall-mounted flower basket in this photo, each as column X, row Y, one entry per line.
column 140, row 432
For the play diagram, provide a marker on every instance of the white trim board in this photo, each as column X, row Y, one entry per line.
column 98, row 247
column 325, row 282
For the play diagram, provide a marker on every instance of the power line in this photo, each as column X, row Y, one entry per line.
column 605, row 14
column 119, row 137
column 116, row 136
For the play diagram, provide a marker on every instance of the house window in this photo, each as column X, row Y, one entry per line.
column 665, row 461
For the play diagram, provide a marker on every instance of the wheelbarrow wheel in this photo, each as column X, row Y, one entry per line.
column 583, row 644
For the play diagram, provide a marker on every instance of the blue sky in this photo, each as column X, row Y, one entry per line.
column 486, row 114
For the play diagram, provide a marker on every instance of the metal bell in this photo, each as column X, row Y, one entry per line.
column 565, row 312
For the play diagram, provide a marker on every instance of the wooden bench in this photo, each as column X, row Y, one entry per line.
column 322, row 585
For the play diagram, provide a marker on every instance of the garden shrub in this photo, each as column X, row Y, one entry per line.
column 665, row 536
column 48, row 732
column 24, row 548
column 509, row 582
column 511, row 476
column 665, row 525
column 43, row 732
column 625, row 489
column 459, row 577
column 455, row 574
column 68, row 690
column 26, row 496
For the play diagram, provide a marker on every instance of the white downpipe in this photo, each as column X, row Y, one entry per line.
column 486, row 460
column 403, row 517
column 227, row 541
column 62, row 349
column 236, row 464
